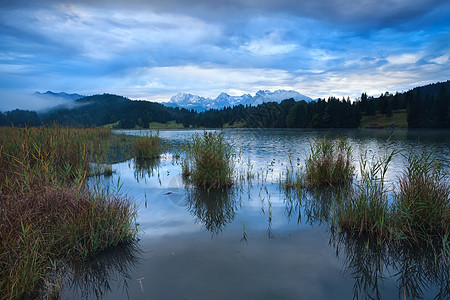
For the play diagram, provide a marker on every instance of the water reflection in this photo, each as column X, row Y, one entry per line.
column 418, row 271
column 298, row 261
column 314, row 206
column 146, row 168
column 110, row 270
column 213, row 208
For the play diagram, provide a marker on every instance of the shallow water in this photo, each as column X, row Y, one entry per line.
column 254, row 241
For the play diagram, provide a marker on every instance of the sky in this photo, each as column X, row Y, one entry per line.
column 155, row 49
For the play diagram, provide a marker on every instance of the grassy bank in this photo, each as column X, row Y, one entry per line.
column 48, row 214
column 398, row 120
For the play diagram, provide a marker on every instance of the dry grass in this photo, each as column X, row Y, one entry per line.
column 47, row 212
column 147, row 147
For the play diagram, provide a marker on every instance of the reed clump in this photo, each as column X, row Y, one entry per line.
column 422, row 199
column 209, row 161
column 147, row 147
column 366, row 211
column 48, row 214
column 330, row 163
column 415, row 209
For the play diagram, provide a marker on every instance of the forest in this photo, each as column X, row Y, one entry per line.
column 426, row 106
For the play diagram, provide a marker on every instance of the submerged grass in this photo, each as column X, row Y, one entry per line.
column 209, row 161
column 48, row 214
column 330, row 163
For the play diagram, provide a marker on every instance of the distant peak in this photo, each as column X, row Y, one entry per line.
column 200, row 103
column 63, row 95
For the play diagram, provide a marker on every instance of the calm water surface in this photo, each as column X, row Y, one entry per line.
column 255, row 241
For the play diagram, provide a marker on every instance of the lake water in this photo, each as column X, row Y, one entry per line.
column 255, row 241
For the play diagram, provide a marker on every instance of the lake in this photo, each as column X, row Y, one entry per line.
column 256, row 241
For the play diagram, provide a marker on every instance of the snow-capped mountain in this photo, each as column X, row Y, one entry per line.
column 277, row 96
column 199, row 103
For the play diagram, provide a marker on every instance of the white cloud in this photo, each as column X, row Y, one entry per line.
column 441, row 59
column 271, row 44
column 405, row 58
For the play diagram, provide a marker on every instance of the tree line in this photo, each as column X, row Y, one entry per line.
column 427, row 107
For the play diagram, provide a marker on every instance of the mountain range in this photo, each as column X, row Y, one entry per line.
column 61, row 95
column 199, row 103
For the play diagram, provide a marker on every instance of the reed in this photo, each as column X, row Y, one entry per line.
column 209, row 161
column 48, row 214
column 147, row 147
column 293, row 177
column 366, row 211
column 422, row 199
column 330, row 163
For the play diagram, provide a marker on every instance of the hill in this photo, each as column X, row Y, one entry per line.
column 421, row 107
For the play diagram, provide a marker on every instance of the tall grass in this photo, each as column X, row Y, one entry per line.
column 419, row 211
column 422, row 206
column 209, row 161
column 147, row 147
column 330, row 163
column 48, row 214
column 366, row 211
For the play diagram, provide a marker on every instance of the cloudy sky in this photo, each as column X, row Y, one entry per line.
column 155, row 49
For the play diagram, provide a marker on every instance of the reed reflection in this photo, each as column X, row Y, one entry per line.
column 107, row 271
column 213, row 208
column 146, row 168
column 418, row 271
column 314, row 206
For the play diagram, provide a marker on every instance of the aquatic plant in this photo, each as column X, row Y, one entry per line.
column 48, row 214
column 209, row 161
column 366, row 210
column 293, row 177
column 422, row 199
column 330, row 163
column 147, row 147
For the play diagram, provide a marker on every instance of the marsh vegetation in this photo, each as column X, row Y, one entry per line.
column 49, row 214
column 208, row 161
column 241, row 188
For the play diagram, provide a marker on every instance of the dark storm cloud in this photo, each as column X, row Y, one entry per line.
column 366, row 13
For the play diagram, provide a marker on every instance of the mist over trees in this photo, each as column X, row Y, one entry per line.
column 426, row 106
